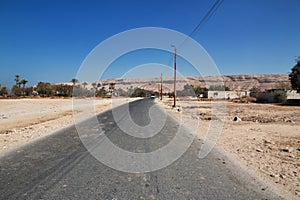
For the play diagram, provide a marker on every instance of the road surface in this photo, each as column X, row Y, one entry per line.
column 60, row 167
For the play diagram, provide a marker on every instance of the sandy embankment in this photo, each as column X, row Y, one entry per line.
column 266, row 141
column 23, row 120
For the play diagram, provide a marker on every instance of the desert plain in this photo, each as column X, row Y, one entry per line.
column 263, row 138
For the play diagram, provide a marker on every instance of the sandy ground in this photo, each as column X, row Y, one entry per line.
column 23, row 120
column 266, row 140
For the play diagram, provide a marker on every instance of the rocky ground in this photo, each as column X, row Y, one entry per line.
column 264, row 138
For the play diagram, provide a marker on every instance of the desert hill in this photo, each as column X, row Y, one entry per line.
column 234, row 82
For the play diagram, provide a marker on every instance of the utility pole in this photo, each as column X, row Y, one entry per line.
column 158, row 89
column 161, row 94
column 174, row 105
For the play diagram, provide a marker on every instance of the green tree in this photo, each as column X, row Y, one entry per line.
column 138, row 92
column 280, row 97
column 101, row 92
column 188, row 90
column 218, row 88
column 122, row 92
column 295, row 76
column 74, row 81
column 16, row 90
column 17, row 79
column 3, row 91
column 200, row 91
column 27, row 91
column 63, row 90
column 45, row 89
column 23, row 82
column 255, row 92
column 94, row 85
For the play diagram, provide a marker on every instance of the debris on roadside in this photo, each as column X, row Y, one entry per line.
column 237, row 119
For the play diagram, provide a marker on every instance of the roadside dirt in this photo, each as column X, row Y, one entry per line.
column 264, row 138
column 23, row 120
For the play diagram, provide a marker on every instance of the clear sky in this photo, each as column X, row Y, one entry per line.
column 47, row 40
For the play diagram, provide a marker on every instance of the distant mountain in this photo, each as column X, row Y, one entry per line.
column 234, row 82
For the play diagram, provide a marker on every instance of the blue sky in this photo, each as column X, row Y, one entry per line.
column 47, row 40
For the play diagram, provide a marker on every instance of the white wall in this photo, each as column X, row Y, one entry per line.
column 292, row 94
column 227, row 94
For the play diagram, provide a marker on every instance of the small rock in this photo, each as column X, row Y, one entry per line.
column 259, row 150
column 282, row 176
column 267, row 142
column 289, row 121
column 295, row 172
column 237, row 119
column 274, row 175
column 287, row 149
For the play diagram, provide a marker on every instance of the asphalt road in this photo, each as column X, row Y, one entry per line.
column 60, row 167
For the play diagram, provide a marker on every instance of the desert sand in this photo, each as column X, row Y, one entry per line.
column 265, row 139
column 23, row 120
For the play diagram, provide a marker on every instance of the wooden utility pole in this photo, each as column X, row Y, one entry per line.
column 174, row 105
column 161, row 92
column 158, row 89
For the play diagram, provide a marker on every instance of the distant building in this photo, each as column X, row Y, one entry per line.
column 292, row 94
column 227, row 94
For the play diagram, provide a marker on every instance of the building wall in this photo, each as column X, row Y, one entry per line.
column 292, row 94
column 227, row 94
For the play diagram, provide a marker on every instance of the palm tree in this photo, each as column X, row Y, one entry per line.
column 74, row 81
column 84, row 84
column 23, row 82
column 17, row 79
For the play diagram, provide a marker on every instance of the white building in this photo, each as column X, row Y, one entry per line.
column 227, row 94
column 292, row 94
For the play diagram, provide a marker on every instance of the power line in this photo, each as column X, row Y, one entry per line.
column 204, row 19
column 206, row 16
